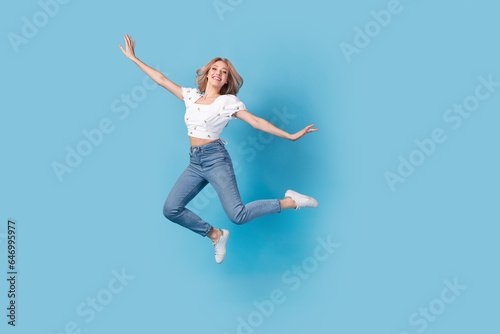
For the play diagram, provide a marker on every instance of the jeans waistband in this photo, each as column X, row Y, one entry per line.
column 219, row 141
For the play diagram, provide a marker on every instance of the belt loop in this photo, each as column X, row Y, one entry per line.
column 223, row 141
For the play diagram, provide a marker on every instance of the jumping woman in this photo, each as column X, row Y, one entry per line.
column 208, row 110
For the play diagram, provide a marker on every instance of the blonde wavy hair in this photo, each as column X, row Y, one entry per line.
column 234, row 81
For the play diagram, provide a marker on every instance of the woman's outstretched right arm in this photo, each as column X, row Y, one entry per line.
column 157, row 76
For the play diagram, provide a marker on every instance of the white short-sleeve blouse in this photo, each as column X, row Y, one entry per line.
column 208, row 120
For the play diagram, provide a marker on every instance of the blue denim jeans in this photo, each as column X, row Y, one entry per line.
column 212, row 164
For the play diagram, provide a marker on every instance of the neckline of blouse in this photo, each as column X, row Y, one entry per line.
column 206, row 104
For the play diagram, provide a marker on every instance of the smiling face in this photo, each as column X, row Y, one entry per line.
column 218, row 74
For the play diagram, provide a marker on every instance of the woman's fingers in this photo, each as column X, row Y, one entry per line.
column 303, row 132
column 309, row 128
column 129, row 42
column 129, row 46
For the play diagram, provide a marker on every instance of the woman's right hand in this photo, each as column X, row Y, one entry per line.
column 129, row 47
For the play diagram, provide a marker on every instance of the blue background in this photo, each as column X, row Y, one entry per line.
column 397, row 248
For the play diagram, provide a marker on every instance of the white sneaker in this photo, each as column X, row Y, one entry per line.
column 220, row 246
column 302, row 201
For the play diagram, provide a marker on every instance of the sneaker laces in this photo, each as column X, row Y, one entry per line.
column 216, row 251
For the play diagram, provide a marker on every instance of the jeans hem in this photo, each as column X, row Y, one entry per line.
column 207, row 233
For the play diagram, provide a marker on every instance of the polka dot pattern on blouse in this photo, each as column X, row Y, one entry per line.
column 208, row 120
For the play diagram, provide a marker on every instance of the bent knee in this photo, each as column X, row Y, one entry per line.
column 239, row 218
column 170, row 212
column 237, row 221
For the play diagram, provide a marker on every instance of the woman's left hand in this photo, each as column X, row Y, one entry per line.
column 302, row 133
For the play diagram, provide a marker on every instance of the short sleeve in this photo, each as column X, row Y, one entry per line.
column 190, row 95
column 230, row 105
